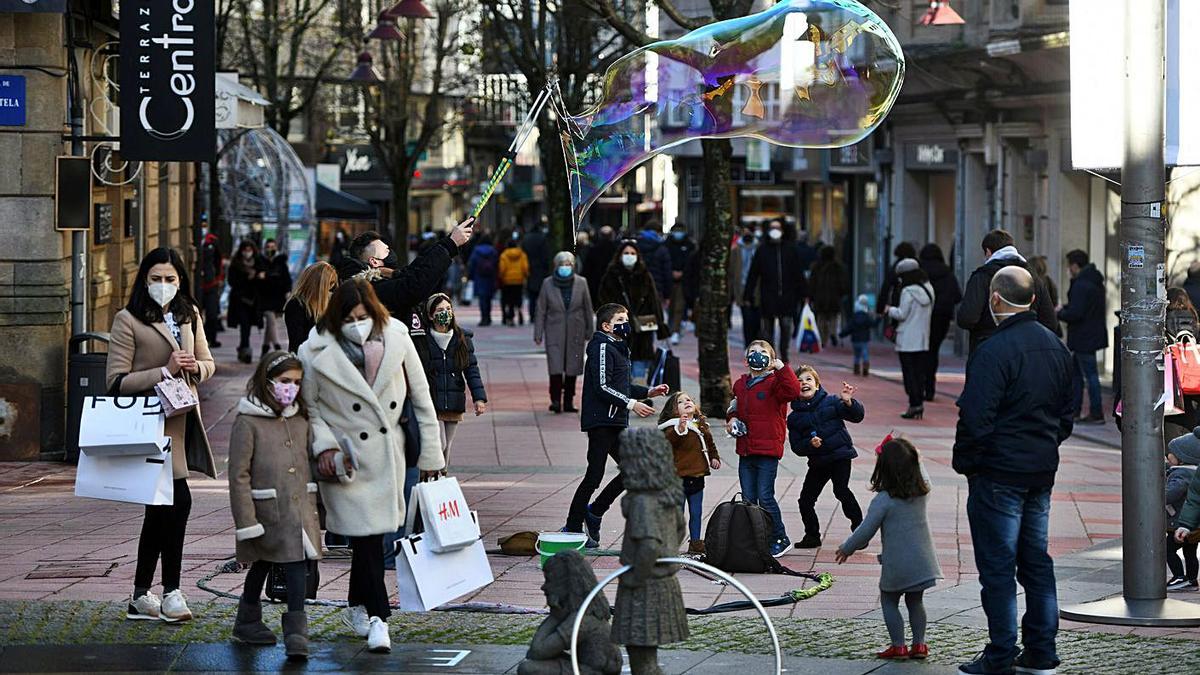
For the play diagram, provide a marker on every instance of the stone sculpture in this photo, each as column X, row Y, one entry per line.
column 569, row 579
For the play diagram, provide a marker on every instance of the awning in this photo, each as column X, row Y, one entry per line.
column 335, row 204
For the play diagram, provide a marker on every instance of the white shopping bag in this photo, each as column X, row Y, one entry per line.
column 444, row 512
column 121, row 425
column 425, row 579
column 134, row 479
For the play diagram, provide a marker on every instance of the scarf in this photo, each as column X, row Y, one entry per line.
column 566, row 287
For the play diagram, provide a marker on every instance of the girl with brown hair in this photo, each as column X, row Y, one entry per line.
column 686, row 429
column 273, row 498
column 308, row 302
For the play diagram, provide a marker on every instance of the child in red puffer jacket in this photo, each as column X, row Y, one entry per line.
column 760, row 402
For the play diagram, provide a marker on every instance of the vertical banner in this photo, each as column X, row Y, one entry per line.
column 168, row 80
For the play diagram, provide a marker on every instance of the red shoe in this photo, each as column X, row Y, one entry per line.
column 919, row 652
column 896, row 653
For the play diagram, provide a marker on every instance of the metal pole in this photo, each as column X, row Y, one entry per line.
column 79, row 239
column 1143, row 305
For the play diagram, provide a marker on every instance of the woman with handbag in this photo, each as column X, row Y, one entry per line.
column 247, row 277
column 914, row 314
column 628, row 283
column 564, row 322
column 361, row 366
column 158, row 342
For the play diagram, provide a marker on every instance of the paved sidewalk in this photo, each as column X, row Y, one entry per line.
column 519, row 465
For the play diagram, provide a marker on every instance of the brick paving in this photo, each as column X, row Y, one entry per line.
column 519, row 465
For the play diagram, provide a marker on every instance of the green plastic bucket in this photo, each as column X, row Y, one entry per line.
column 549, row 543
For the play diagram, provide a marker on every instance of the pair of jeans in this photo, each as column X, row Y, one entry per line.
column 862, row 352
column 751, row 324
column 296, row 574
column 678, row 308
column 163, row 530
column 757, row 477
column 939, row 327
column 785, row 334
column 367, row 587
column 411, row 476
column 603, row 442
column 1009, row 526
column 693, row 498
column 1089, row 372
column 814, row 485
column 1188, row 567
column 912, row 366
column 531, row 294
column 510, row 301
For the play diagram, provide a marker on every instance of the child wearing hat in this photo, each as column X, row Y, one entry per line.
column 1183, row 454
column 859, row 332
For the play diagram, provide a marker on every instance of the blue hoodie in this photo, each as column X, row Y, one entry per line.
column 825, row 416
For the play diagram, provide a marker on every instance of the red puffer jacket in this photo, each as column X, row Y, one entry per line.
column 764, row 409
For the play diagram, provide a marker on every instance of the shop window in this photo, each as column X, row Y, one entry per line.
column 695, row 184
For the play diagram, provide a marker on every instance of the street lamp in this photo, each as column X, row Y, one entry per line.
column 364, row 70
column 409, row 9
column 385, row 29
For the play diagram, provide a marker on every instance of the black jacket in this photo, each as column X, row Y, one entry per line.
column 681, row 252
column 1016, row 408
column 596, row 262
column 245, row 293
column 973, row 314
column 634, row 289
column 823, row 416
column 299, row 324
column 946, row 293
column 408, row 286
column 537, row 247
column 1084, row 312
column 277, row 285
column 607, row 386
column 776, row 278
column 447, row 384
column 859, row 327
column 657, row 259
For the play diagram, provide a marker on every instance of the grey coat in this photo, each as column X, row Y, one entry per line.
column 271, row 493
column 909, row 559
column 564, row 330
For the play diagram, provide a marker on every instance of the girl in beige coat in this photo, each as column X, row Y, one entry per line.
column 273, row 498
column 360, row 366
column 160, row 329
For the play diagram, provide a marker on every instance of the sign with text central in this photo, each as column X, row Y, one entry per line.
column 168, row 80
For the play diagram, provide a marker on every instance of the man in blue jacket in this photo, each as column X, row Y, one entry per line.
column 608, row 397
column 1086, row 332
column 1014, row 412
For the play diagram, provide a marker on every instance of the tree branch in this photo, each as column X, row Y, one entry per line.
column 668, row 7
column 604, row 9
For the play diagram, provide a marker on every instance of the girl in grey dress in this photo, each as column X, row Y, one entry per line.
column 908, row 559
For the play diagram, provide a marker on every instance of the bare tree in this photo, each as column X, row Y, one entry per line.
column 713, row 308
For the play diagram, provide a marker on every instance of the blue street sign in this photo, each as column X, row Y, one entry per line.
column 12, row 100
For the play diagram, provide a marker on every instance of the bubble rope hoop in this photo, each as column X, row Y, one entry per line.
column 687, row 562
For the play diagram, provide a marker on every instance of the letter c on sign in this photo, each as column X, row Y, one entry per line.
column 183, row 129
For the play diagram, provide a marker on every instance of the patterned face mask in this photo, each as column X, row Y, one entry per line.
column 285, row 392
column 443, row 317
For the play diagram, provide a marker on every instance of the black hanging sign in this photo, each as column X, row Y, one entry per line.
column 168, row 80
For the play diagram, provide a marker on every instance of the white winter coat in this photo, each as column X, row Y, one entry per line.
column 914, row 314
column 342, row 407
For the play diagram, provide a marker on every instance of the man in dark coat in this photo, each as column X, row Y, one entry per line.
column 402, row 289
column 1086, row 331
column 603, row 249
column 656, row 257
column 1014, row 412
column 680, row 247
column 275, row 289
column 776, row 281
column 537, row 248
column 946, row 296
column 889, row 292
column 973, row 316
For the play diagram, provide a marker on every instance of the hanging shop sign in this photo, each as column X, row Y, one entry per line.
column 930, row 157
column 168, row 80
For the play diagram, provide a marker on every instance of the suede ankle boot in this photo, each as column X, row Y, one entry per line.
column 249, row 627
column 295, row 635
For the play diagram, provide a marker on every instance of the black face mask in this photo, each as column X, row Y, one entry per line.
column 623, row 330
column 392, row 261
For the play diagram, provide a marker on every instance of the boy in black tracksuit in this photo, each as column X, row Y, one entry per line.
column 608, row 396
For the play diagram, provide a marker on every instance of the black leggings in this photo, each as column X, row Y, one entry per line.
column 367, row 587
column 163, row 530
column 603, row 442
column 296, row 574
column 814, row 484
column 914, row 367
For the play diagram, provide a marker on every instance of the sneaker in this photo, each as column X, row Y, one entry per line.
column 379, row 640
column 780, row 547
column 809, row 541
column 591, row 523
column 357, row 620
column 898, row 653
column 174, row 608
column 981, row 666
column 144, row 608
column 1177, row 584
column 1029, row 666
column 590, row 543
column 674, row 338
column 919, row 651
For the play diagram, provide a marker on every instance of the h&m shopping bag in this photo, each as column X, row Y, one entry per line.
column 121, row 425
column 426, row 579
column 134, row 479
column 448, row 521
column 1186, row 358
column 176, row 395
column 1172, row 392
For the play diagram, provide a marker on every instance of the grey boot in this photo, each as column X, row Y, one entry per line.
column 295, row 635
column 249, row 627
column 643, row 660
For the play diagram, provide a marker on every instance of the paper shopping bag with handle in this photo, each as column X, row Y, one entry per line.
column 444, row 513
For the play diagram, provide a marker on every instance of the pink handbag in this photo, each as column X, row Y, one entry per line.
column 176, row 396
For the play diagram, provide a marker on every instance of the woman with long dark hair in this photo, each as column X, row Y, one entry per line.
column 160, row 329
column 947, row 295
column 247, row 276
column 628, row 283
column 448, row 353
column 914, row 314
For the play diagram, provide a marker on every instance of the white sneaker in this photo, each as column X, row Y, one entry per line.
column 357, row 620
column 174, row 608
column 674, row 338
column 144, row 608
column 379, row 640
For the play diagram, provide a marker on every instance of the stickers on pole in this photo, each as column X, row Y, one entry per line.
column 1135, row 257
column 1161, row 275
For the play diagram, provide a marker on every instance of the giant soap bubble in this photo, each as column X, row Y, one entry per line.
column 804, row 73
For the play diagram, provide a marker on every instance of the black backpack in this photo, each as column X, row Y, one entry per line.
column 738, row 539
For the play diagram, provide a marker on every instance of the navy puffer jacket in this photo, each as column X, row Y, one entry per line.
column 824, row 416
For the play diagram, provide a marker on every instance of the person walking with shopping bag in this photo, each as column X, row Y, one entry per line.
column 160, row 330
column 362, row 366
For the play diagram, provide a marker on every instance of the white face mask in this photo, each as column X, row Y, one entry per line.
column 162, row 293
column 628, row 259
column 358, row 331
column 998, row 318
column 775, row 235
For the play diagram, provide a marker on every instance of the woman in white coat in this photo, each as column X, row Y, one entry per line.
column 912, row 334
column 360, row 365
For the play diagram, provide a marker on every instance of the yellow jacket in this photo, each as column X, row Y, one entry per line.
column 514, row 266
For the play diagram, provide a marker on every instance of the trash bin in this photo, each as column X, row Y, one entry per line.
column 85, row 377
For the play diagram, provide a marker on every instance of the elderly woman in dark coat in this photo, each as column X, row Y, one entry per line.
column 564, row 322
column 627, row 282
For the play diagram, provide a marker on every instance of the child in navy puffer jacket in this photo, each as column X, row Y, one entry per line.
column 817, row 430
column 859, row 331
